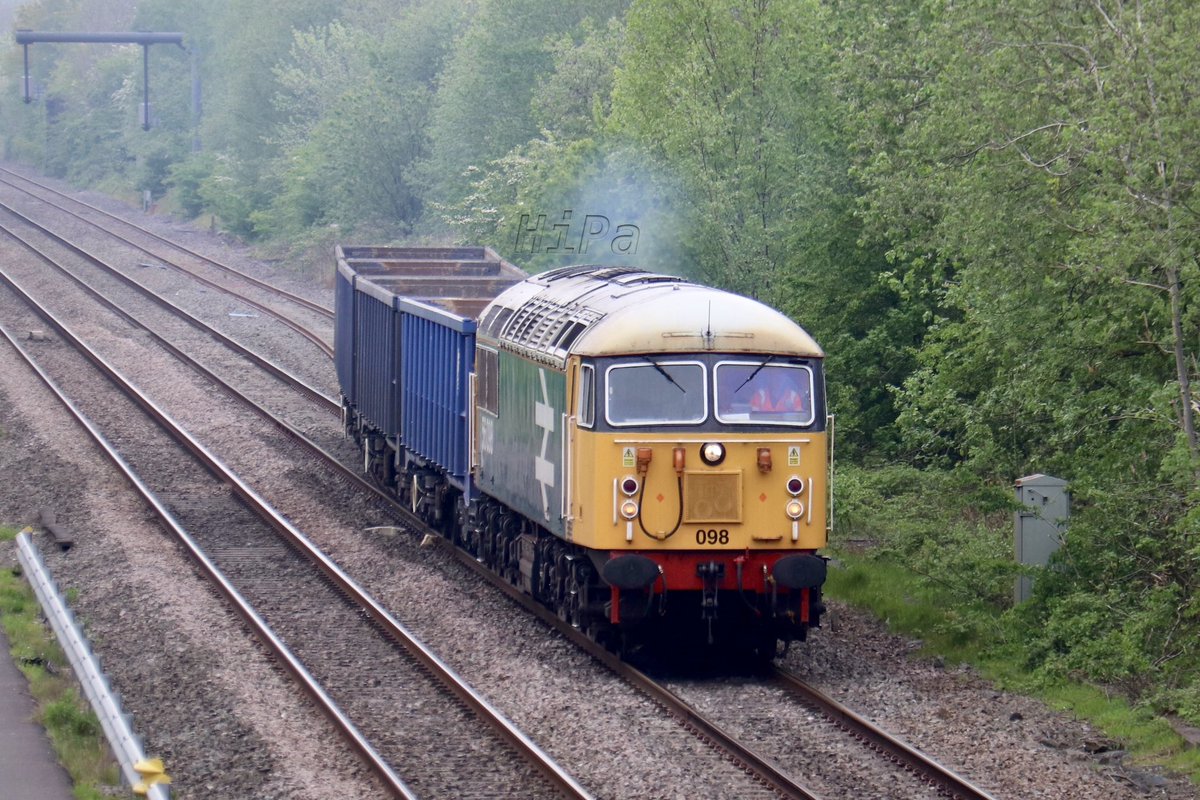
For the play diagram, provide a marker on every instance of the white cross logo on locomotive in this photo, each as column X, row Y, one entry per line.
column 543, row 417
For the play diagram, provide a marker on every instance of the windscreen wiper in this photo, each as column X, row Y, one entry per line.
column 757, row 370
column 665, row 374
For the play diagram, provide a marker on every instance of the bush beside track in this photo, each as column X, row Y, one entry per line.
column 930, row 554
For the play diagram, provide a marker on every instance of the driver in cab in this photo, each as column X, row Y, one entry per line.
column 778, row 394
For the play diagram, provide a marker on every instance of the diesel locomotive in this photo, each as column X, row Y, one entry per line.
column 645, row 455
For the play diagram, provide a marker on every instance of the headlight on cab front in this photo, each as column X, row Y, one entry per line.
column 794, row 509
column 712, row 453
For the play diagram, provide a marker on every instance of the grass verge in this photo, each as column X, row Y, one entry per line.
column 73, row 729
column 911, row 606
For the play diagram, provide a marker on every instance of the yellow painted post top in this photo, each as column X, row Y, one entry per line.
column 153, row 773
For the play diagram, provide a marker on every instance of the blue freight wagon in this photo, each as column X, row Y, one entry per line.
column 404, row 351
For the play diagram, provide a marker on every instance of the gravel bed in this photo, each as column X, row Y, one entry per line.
column 394, row 702
column 612, row 739
column 1012, row 745
column 205, row 698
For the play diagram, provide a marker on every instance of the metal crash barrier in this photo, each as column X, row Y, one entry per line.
column 145, row 776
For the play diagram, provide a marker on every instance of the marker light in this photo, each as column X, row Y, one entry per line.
column 794, row 509
column 712, row 453
column 629, row 509
column 629, row 485
column 795, row 485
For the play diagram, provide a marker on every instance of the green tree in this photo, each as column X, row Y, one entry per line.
column 241, row 119
column 579, row 191
column 1033, row 168
column 357, row 105
column 724, row 92
column 1056, row 199
column 74, row 128
column 483, row 106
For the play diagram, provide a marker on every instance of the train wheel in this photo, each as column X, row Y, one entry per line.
column 458, row 525
column 570, row 605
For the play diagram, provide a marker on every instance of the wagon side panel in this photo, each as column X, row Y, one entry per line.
column 437, row 356
column 374, row 362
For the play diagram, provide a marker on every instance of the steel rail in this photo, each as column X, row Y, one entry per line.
column 880, row 740
column 233, row 391
column 210, row 570
column 299, row 300
column 746, row 757
column 313, row 337
column 332, row 572
column 347, row 473
column 328, row 403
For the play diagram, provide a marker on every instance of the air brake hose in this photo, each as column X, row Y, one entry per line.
column 742, row 589
column 678, row 521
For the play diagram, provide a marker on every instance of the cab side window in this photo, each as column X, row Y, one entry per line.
column 585, row 402
column 487, row 381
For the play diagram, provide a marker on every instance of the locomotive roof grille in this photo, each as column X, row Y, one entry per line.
column 566, row 272
column 545, row 326
column 567, row 336
column 494, row 320
column 553, row 314
column 625, row 276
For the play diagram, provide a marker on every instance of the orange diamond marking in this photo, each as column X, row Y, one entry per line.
column 762, row 498
column 660, row 498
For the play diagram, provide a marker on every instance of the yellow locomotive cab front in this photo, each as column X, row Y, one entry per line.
column 653, row 456
column 655, row 490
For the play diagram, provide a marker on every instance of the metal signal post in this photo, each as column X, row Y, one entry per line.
column 145, row 39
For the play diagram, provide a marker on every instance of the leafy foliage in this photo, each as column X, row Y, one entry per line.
column 483, row 107
column 1033, row 158
column 947, row 526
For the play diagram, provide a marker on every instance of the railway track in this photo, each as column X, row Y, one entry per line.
column 240, row 373
column 775, row 785
column 222, row 279
column 347, row 473
column 119, row 284
column 947, row 782
column 402, row 695
column 898, row 770
column 330, row 461
column 772, row 778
